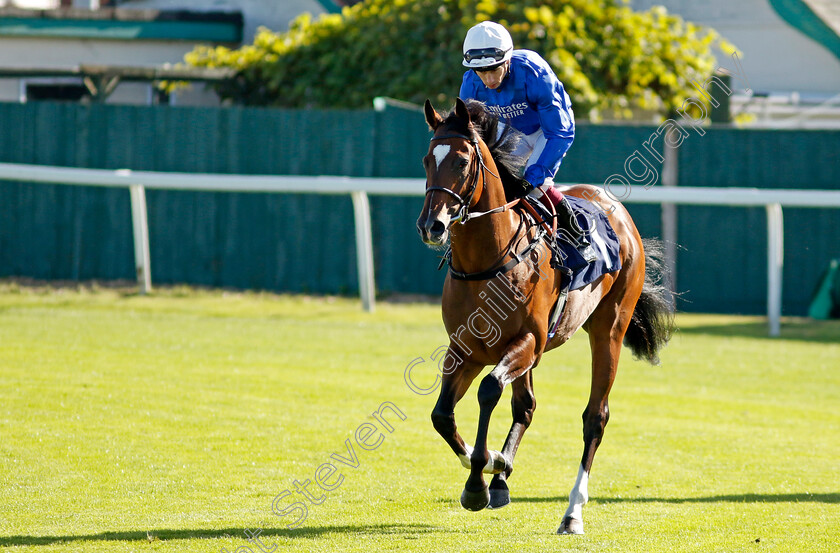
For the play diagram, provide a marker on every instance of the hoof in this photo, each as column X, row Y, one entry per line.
column 571, row 526
column 475, row 501
column 499, row 498
column 499, row 493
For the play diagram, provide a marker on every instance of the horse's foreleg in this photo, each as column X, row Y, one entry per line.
column 605, row 355
column 523, row 404
column 453, row 387
column 519, row 357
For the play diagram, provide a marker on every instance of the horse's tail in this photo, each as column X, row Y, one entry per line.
column 653, row 318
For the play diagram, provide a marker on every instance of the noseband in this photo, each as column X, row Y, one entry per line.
column 463, row 214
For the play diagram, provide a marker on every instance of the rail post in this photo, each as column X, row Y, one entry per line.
column 364, row 249
column 775, row 263
column 140, row 226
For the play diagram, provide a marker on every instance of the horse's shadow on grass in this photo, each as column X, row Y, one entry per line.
column 303, row 532
column 405, row 530
column 734, row 498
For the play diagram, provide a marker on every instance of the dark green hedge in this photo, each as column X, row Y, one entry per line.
column 611, row 58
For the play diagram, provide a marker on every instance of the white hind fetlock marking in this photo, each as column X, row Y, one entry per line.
column 578, row 496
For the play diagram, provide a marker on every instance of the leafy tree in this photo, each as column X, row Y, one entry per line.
column 610, row 58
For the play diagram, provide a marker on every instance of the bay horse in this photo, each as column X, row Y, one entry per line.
column 499, row 293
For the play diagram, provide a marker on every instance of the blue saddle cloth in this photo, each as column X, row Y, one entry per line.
column 601, row 235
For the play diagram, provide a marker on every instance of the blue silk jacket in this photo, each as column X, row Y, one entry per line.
column 530, row 98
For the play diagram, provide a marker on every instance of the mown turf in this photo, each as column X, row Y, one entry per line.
column 170, row 422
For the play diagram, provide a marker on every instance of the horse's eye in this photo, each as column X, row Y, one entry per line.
column 462, row 164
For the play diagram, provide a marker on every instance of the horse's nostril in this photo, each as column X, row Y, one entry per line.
column 437, row 228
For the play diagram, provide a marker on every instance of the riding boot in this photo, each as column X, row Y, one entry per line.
column 569, row 229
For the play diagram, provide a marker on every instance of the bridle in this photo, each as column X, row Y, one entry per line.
column 463, row 215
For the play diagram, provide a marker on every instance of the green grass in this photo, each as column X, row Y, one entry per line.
column 169, row 422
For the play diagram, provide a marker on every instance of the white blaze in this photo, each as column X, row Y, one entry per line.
column 440, row 152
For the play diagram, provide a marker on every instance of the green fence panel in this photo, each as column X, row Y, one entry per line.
column 267, row 241
column 281, row 242
column 723, row 260
column 401, row 140
column 761, row 158
column 65, row 233
column 304, row 243
column 403, row 264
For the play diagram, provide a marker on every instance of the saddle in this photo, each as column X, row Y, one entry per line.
column 553, row 210
column 583, row 243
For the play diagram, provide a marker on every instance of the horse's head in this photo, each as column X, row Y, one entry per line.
column 452, row 173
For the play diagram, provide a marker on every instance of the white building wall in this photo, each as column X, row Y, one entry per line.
column 274, row 14
column 9, row 90
column 31, row 4
column 68, row 53
column 43, row 52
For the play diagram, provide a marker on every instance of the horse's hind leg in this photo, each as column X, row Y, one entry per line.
column 523, row 404
column 606, row 347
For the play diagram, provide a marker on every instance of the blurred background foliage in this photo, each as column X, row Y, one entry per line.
column 613, row 61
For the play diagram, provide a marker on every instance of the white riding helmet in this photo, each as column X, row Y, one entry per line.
column 487, row 45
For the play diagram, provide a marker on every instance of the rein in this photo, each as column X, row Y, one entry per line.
column 465, row 215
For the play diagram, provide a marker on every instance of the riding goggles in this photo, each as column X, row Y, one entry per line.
column 479, row 53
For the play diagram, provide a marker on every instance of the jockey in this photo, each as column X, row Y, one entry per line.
column 522, row 90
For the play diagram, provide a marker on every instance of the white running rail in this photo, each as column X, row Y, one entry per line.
column 359, row 187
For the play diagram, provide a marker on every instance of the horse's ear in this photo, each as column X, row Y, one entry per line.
column 433, row 118
column 461, row 110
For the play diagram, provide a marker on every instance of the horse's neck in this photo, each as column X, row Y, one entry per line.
column 480, row 243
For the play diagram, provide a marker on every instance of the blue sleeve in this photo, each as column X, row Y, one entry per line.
column 467, row 87
column 557, row 122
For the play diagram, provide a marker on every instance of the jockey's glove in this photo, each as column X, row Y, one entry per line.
column 539, row 191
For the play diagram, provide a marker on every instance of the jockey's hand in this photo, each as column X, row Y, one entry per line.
column 539, row 191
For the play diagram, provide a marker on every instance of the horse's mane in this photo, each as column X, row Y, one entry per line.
column 486, row 126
